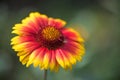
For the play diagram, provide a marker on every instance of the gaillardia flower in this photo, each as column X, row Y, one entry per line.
column 46, row 43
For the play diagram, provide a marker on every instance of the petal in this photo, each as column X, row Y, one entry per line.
column 62, row 59
column 70, row 57
column 58, row 23
column 36, row 57
column 71, row 34
column 38, row 61
column 31, row 24
column 46, row 60
column 21, row 53
column 24, row 58
column 53, row 62
column 19, row 47
column 76, row 49
column 41, row 19
column 25, row 29
column 26, row 46
column 21, row 39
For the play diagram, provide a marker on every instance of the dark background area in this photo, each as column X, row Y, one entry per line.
column 97, row 21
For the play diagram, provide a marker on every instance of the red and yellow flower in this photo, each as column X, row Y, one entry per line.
column 46, row 43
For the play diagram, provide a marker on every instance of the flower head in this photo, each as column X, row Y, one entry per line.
column 46, row 43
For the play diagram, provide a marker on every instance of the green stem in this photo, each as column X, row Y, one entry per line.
column 45, row 75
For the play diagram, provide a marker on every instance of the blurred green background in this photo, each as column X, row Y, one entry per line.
column 97, row 21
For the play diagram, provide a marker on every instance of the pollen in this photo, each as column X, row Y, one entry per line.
column 50, row 33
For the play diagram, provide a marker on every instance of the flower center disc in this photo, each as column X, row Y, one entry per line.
column 50, row 33
column 50, row 37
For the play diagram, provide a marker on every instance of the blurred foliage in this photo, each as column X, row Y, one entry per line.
column 97, row 21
